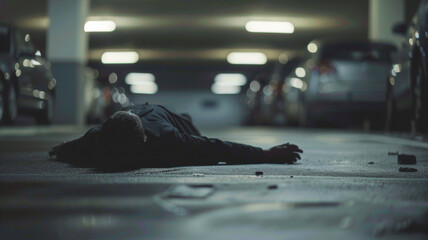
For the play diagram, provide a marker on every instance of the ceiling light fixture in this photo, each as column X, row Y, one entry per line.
column 146, row 88
column 100, row 26
column 119, row 57
column 250, row 58
column 135, row 78
column 230, row 79
column 222, row 89
column 269, row 27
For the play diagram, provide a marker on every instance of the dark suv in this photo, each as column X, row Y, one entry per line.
column 26, row 81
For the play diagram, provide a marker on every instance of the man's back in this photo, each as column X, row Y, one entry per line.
column 156, row 118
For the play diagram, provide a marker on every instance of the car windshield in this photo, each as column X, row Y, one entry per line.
column 4, row 40
column 358, row 52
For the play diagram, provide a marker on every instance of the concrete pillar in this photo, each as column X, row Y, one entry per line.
column 383, row 15
column 67, row 46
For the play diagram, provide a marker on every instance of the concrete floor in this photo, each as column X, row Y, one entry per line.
column 332, row 193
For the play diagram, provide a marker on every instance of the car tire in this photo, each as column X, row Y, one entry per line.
column 420, row 100
column 10, row 102
column 45, row 116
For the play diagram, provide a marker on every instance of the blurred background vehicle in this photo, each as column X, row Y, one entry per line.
column 103, row 96
column 95, row 101
column 407, row 82
column 265, row 97
column 342, row 83
column 117, row 99
column 292, row 93
column 27, row 78
column 257, row 93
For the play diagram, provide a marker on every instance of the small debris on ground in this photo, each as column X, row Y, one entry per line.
column 392, row 153
column 291, row 176
column 370, row 162
column 406, row 159
column 259, row 173
column 406, row 169
column 273, row 186
column 198, row 175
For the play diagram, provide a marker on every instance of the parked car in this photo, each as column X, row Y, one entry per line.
column 292, row 93
column 341, row 83
column 407, row 83
column 116, row 98
column 273, row 95
column 94, row 101
column 255, row 98
column 26, row 76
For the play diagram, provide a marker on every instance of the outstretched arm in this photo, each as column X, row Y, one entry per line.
column 203, row 150
column 78, row 147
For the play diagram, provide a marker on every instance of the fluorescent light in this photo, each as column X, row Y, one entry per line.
column 312, row 47
column 119, row 57
column 100, row 26
column 225, row 89
column 300, row 72
column 251, row 58
column 145, row 88
column 230, row 79
column 269, row 27
column 139, row 78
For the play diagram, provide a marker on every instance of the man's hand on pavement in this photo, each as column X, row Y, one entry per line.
column 56, row 149
column 285, row 153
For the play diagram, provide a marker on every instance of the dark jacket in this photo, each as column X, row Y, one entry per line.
column 171, row 140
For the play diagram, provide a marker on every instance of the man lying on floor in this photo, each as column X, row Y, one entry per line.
column 152, row 136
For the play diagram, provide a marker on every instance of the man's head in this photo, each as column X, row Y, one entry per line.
column 123, row 134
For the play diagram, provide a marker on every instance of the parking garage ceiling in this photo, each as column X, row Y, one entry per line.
column 200, row 29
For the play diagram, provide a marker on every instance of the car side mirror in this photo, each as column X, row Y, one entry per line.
column 400, row 28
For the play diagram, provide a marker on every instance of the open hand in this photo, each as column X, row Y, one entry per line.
column 285, row 153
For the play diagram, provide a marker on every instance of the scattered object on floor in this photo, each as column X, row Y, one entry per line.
column 291, row 176
column 370, row 162
column 406, row 169
column 198, row 175
column 393, row 153
column 259, row 173
column 273, row 186
column 406, row 159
